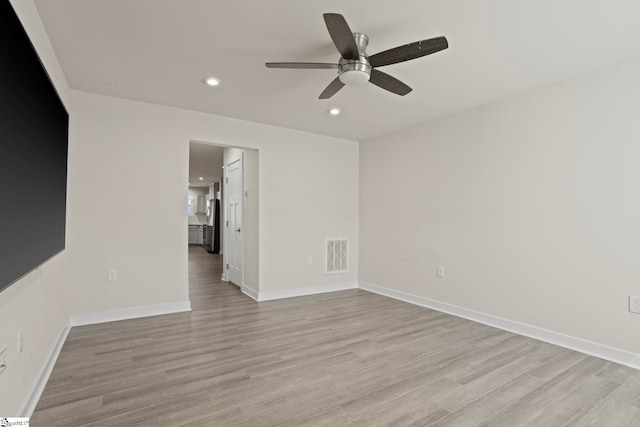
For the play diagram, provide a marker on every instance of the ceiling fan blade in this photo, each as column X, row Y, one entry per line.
column 341, row 35
column 301, row 65
column 332, row 89
column 408, row 51
column 385, row 81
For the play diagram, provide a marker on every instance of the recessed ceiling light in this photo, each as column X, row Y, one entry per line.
column 212, row 81
column 201, row 178
column 334, row 111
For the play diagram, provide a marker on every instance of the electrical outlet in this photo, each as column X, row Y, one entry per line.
column 309, row 260
column 440, row 271
column 112, row 275
column 3, row 359
column 634, row 304
column 20, row 342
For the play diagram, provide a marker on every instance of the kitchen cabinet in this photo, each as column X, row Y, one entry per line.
column 195, row 234
column 201, row 204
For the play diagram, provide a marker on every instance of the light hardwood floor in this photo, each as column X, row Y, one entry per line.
column 343, row 358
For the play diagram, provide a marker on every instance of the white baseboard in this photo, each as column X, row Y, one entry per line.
column 33, row 396
column 298, row 292
column 224, row 277
column 602, row 351
column 250, row 292
column 129, row 313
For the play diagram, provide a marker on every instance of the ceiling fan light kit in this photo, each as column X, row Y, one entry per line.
column 358, row 71
column 354, row 73
column 355, row 67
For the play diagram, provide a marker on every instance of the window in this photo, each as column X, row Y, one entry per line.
column 190, row 206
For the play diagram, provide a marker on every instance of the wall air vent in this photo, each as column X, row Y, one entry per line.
column 337, row 255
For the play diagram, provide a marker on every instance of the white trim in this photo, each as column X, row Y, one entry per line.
column 33, row 396
column 129, row 313
column 602, row 351
column 250, row 292
column 311, row 290
column 224, row 276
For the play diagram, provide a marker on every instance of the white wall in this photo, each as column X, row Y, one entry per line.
column 308, row 190
column 252, row 219
column 36, row 304
column 532, row 205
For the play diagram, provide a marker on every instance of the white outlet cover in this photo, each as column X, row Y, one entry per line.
column 112, row 275
column 3, row 359
column 634, row 304
column 440, row 271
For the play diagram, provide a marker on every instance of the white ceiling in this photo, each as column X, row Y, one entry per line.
column 205, row 161
column 159, row 51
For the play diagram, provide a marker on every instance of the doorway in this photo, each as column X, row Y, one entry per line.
column 238, row 201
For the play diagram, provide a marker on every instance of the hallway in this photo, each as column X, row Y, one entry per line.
column 206, row 289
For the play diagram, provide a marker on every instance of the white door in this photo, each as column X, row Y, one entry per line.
column 234, row 227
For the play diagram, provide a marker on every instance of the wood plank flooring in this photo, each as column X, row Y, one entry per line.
column 337, row 359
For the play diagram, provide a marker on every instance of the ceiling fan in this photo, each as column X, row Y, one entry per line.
column 355, row 67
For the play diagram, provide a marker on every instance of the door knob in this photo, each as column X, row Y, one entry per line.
column 237, row 229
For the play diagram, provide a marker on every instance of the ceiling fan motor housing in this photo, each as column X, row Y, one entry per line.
column 356, row 72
